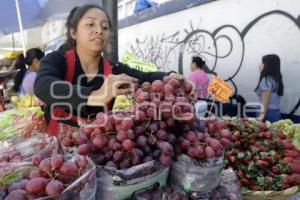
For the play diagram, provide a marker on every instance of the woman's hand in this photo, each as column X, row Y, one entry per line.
column 113, row 86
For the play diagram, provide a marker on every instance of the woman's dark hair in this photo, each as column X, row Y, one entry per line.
column 74, row 17
column 33, row 53
column 272, row 69
column 202, row 65
column 21, row 62
column 198, row 61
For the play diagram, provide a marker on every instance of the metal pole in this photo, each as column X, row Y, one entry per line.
column 111, row 6
column 20, row 26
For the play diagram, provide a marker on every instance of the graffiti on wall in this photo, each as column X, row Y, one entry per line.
column 162, row 49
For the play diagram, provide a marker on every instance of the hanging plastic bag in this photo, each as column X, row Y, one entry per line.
column 120, row 184
column 19, row 150
column 186, row 174
column 157, row 192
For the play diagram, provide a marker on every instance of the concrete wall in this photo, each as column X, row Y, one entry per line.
column 231, row 35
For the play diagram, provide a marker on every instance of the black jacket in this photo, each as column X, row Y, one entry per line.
column 53, row 69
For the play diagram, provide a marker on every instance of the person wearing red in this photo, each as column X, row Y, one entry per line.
column 76, row 82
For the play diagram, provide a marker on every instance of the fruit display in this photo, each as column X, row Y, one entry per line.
column 199, row 157
column 290, row 129
column 24, row 122
column 204, row 140
column 146, row 132
column 264, row 159
column 24, row 150
column 24, row 101
column 52, row 177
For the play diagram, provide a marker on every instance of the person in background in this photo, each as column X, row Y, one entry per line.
column 24, row 79
column 270, row 88
column 77, row 80
column 200, row 78
column 142, row 5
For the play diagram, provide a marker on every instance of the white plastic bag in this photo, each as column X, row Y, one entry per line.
column 195, row 178
column 120, row 184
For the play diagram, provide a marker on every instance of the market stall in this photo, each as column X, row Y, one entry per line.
column 153, row 147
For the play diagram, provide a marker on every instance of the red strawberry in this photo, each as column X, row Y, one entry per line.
column 279, row 141
column 268, row 134
column 295, row 168
column 261, row 134
column 233, row 138
column 253, row 148
column 287, row 144
column 231, row 159
column 262, row 163
column 263, row 148
column 277, row 157
column 237, row 134
column 262, row 126
column 287, row 179
column 290, row 153
column 240, row 174
column 276, row 169
column 246, row 162
column 256, row 157
column 297, row 178
column 228, row 153
column 256, row 188
column 270, row 175
column 250, row 137
column 268, row 159
column 245, row 182
column 285, row 186
column 287, row 160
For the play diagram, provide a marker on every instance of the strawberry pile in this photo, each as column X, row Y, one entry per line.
column 264, row 159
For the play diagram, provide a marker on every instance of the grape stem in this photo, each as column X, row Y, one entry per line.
column 200, row 143
column 148, row 124
column 153, row 137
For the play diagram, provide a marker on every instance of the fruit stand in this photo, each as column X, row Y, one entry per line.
column 154, row 147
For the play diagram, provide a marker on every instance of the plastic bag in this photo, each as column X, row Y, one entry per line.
column 229, row 188
column 295, row 197
column 115, row 184
column 19, row 150
column 192, row 177
column 82, row 188
column 163, row 193
column 24, row 122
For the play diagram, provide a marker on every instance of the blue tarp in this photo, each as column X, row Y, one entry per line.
column 35, row 12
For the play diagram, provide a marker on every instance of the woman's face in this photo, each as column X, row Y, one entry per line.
column 261, row 67
column 193, row 66
column 36, row 64
column 92, row 31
